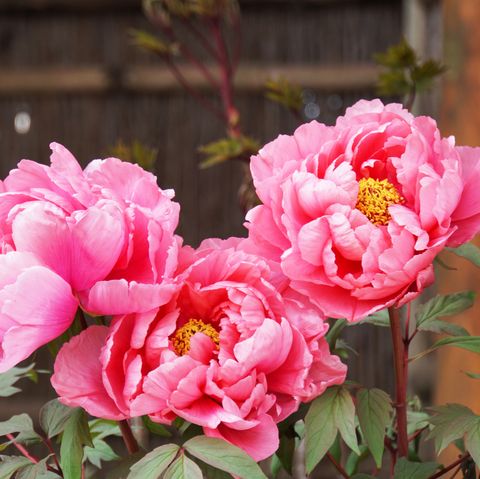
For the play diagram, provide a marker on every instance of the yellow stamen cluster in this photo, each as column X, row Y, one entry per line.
column 181, row 337
column 374, row 198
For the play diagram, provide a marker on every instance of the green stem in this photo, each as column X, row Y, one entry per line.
column 400, row 357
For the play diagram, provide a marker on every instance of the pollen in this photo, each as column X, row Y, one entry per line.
column 182, row 336
column 374, row 198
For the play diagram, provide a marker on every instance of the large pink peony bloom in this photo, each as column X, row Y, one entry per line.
column 107, row 230
column 355, row 213
column 36, row 305
column 235, row 352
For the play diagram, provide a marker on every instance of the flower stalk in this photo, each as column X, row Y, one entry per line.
column 128, row 437
column 400, row 357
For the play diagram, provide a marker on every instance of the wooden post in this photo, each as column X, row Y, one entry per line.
column 460, row 116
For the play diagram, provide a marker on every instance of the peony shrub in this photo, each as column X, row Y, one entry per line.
column 218, row 348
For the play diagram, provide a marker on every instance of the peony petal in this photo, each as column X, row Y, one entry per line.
column 259, row 442
column 77, row 374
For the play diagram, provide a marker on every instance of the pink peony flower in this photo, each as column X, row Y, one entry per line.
column 36, row 305
column 107, row 230
column 235, row 352
column 355, row 213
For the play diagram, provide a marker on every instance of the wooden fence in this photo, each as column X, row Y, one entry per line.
column 70, row 66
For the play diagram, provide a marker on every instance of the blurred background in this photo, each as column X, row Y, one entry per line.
column 69, row 72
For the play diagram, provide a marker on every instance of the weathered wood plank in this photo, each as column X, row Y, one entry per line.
column 159, row 79
column 98, row 5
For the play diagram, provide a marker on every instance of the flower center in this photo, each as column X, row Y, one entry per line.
column 182, row 336
column 374, row 198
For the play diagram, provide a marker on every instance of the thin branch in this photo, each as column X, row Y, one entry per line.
column 192, row 91
column 338, row 466
column 413, row 436
column 457, row 470
column 453, row 465
column 237, row 49
column 128, row 437
column 198, row 34
column 226, row 89
column 185, row 51
column 24, row 452
column 49, row 445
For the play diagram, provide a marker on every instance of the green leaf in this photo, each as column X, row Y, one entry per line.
column 100, row 451
column 344, row 412
column 76, row 434
column 354, row 460
column 401, row 55
column 210, row 472
column 53, row 417
column 224, row 456
column 392, row 83
column 121, row 468
column 285, row 452
column 155, row 427
column 37, row 471
column 417, row 420
column 10, row 465
column 380, row 318
column 468, row 251
column 424, row 73
column 472, row 375
column 470, row 343
column 135, row 152
column 447, row 305
column 285, row 93
column 101, row 428
column 183, row 468
column 374, row 409
column 334, row 332
column 320, row 428
column 154, row 463
column 275, row 466
column 19, row 423
column 331, row 412
column 10, row 377
column 227, row 149
column 450, row 422
column 472, row 440
column 405, row 469
column 443, row 327
column 151, row 43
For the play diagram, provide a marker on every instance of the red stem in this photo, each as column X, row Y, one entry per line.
column 194, row 93
column 450, row 467
column 400, row 356
column 49, row 445
column 31, row 458
column 338, row 466
column 128, row 437
column 226, row 87
column 201, row 38
column 184, row 50
column 237, row 49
